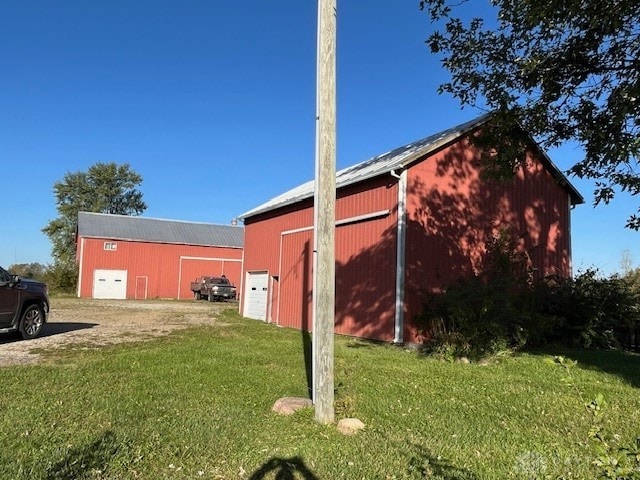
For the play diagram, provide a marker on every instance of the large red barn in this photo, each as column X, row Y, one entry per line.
column 123, row 256
column 407, row 222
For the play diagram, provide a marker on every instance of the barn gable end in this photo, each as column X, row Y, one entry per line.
column 407, row 222
column 452, row 213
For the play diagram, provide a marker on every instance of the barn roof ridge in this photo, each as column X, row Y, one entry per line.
column 156, row 230
column 158, row 219
column 398, row 158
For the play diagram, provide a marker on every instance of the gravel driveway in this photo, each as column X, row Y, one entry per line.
column 93, row 323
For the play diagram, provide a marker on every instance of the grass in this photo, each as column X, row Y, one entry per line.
column 197, row 404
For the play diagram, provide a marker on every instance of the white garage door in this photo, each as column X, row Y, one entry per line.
column 255, row 299
column 110, row 284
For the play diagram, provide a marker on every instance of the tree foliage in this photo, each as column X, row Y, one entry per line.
column 35, row 270
column 103, row 188
column 632, row 279
column 562, row 70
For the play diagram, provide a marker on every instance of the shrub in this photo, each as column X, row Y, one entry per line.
column 587, row 311
column 484, row 314
column 62, row 278
column 504, row 307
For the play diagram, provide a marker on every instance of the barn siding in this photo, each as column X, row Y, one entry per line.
column 365, row 260
column 452, row 212
column 262, row 246
column 365, row 278
column 296, row 280
column 169, row 269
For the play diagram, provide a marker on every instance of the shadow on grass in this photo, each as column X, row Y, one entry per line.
column 622, row 364
column 284, row 469
column 85, row 461
column 366, row 343
column 436, row 467
column 307, row 348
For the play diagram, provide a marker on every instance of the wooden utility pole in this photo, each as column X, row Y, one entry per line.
column 325, row 214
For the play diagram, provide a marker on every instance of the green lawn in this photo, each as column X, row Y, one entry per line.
column 197, row 404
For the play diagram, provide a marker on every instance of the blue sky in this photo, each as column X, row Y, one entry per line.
column 213, row 103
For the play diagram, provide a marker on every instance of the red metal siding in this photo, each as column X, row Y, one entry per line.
column 365, row 260
column 262, row 245
column 296, row 281
column 452, row 212
column 365, row 278
column 154, row 269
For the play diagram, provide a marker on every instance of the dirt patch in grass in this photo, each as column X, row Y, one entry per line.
column 94, row 323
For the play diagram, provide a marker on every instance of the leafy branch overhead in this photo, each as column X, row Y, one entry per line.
column 563, row 70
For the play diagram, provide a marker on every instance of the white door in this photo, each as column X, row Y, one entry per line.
column 110, row 284
column 255, row 298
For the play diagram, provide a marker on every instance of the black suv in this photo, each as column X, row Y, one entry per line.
column 24, row 305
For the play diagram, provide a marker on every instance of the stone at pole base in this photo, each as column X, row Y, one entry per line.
column 350, row 426
column 290, row 405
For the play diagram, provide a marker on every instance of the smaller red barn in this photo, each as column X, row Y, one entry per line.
column 122, row 256
column 408, row 222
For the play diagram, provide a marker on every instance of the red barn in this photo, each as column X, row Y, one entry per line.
column 122, row 256
column 407, row 222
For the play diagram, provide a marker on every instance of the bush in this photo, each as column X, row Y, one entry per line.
column 62, row 278
column 484, row 314
column 588, row 311
column 505, row 308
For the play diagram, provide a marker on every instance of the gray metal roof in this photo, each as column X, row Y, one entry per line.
column 398, row 158
column 124, row 227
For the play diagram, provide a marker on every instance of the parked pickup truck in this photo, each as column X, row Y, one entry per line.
column 213, row 288
column 24, row 305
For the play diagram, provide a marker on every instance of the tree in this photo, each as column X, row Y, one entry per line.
column 34, row 270
column 626, row 262
column 561, row 70
column 632, row 278
column 104, row 188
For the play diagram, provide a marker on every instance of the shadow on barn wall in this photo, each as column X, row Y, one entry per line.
column 451, row 213
column 365, row 290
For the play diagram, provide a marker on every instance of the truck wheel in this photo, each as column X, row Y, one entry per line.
column 31, row 322
column 197, row 295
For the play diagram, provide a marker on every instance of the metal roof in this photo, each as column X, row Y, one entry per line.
column 398, row 158
column 124, row 227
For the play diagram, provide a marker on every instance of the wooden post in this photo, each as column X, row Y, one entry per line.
column 325, row 206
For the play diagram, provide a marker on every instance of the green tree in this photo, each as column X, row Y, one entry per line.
column 103, row 188
column 632, row 280
column 34, row 270
column 562, row 70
